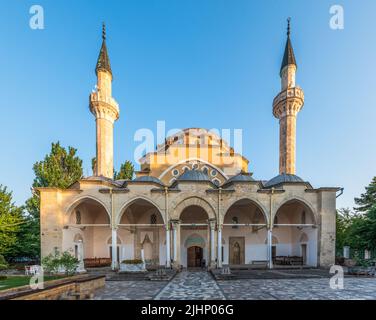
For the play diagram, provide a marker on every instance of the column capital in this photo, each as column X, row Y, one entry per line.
column 212, row 223
column 175, row 222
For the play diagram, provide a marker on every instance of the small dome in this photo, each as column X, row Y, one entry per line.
column 241, row 177
column 149, row 179
column 194, row 175
column 283, row 178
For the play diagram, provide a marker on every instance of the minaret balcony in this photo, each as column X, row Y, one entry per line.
column 98, row 97
column 100, row 103
column 295, row 92
column 288, row 102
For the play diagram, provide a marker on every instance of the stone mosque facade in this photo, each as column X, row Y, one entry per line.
column 193, row 202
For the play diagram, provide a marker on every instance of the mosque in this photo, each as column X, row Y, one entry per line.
column 193, row 201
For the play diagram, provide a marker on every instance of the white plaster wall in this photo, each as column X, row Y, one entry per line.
column 255, row 247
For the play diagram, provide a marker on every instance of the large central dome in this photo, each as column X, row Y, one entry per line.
column 193, row 149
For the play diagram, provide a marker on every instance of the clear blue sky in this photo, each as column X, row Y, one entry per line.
column 196, row 63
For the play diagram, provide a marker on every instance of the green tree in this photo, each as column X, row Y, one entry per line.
column 362, row 231
column 368, row 199
column 10, row 222
column 29, row 234
column 126, row 171
column 60, row 168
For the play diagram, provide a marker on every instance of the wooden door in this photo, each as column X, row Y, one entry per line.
column 191, row 257
column 194, row 257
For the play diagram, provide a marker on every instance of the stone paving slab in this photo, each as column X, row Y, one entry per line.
column 202, row 286
column 299, row 289
column 129, row 290
column 196, row 285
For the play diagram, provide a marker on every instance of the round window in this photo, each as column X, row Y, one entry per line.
column 175, row 172
column 214, row 172
column 195, row 166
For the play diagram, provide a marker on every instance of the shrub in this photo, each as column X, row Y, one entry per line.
column 3, row 278
column 54, row 263
column 69, row 263
column 51, row 263
column 134, row 261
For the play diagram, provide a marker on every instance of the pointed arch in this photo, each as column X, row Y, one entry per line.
column 253, row 202
column 194, row 201
column 308, row 209
column 134, row 200
column 90, row 200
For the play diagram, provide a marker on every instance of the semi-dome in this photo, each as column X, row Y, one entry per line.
column 148, row 179
column 194, row 175
column 283, row 178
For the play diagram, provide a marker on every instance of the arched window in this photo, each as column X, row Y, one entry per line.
column 78, row 217
column 153, row 219
column 235, row 220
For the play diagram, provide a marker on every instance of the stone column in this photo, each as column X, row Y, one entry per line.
column 176, row 243
column 219, row 246
column 80, row 253
column 269, row 249
column 114, row 263
column 168, row 246
column 212, row 242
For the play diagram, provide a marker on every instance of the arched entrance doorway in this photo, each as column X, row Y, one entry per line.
column 194, row 237
column 195, row 245
column 194, row 257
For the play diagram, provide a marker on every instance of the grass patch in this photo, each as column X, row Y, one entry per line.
column 18, row 281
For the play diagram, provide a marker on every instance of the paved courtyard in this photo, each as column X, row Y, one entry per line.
column 200, row 285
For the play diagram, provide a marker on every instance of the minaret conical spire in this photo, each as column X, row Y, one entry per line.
column 103, row 62
column 106, row 111
column 288, row 57
column 286, row 106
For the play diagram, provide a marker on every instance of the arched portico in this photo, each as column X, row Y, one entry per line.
column 244, row 232
column 296, row 228
column 141, row 228
column 193, row 216
column 193, row 201
column 87, row 226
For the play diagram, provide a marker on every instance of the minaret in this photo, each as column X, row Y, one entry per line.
column 286, row 106
column 106, row 111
